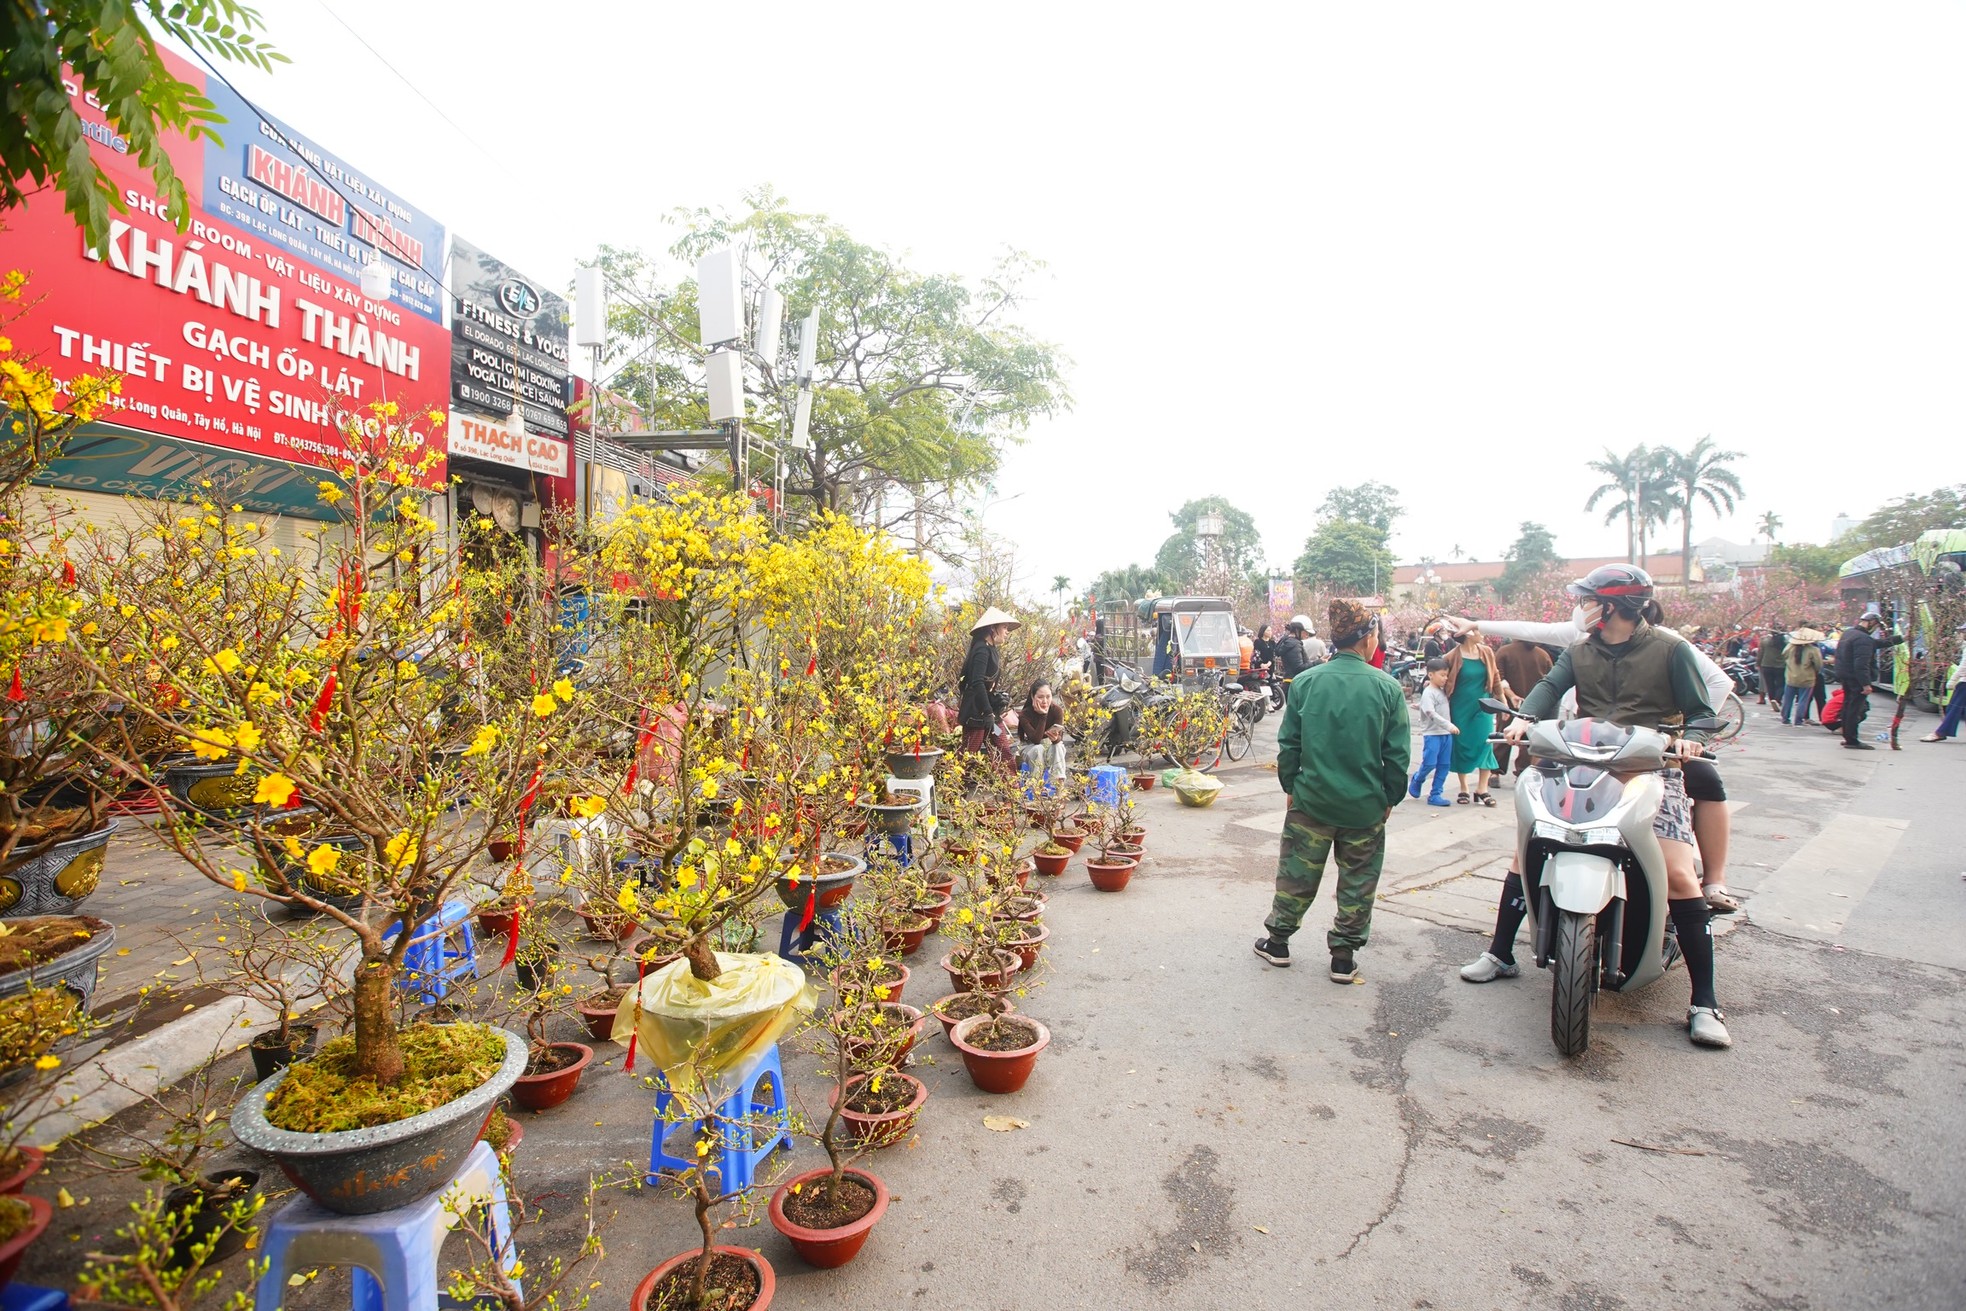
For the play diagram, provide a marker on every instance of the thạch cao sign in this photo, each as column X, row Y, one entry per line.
column 478, row 438
column 508, row 343
column 243, row 332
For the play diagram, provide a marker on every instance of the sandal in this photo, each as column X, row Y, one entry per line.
column 1461, row 800
column 1934, row 738
column 1720, row 901
column 1483, row 799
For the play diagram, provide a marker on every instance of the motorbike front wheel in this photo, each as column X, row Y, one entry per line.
column 1573, row 965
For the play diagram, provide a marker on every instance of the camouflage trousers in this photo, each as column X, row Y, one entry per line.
column 1361, row 854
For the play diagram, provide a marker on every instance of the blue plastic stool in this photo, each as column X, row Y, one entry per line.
column 26, row 1297
column 737, row 1162
column 444, row 950
column 902, row 844
column 793, row 945
column 394, row 1253
column 1106, row 785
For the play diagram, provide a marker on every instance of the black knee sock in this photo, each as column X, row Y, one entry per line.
column 1692, row 919
column 1508, row 918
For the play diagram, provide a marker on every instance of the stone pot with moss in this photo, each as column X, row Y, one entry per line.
column 56, row 877
column 356, row 1147
column 50, row 950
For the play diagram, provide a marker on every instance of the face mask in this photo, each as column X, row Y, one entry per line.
column 1587, row 617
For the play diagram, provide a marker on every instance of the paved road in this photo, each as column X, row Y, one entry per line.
column 1206, row 1131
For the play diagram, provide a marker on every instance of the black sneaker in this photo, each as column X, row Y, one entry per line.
column 1276, row 953
column 1858, row 746
column 1343, row 968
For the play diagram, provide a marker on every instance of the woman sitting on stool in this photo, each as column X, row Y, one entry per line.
column 1041, row 736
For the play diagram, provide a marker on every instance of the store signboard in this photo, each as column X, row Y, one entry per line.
column 494, row 442
column 246, row 331
column 508, row 343
column 124, row 462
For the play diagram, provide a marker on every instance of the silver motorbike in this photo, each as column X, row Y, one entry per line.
column 1593, row 874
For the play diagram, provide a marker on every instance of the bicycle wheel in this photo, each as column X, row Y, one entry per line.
column 1733, row 716
column 1242, row 734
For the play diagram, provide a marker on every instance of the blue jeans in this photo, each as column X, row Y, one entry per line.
column 1436, row 753
column 1795, row 703
column 1955, row 711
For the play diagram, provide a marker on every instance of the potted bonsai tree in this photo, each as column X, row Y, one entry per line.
column 332, row 706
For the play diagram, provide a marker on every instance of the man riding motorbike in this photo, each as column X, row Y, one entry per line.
column 1640, row 676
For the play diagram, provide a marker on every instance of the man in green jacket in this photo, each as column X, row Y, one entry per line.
column 1342, row 753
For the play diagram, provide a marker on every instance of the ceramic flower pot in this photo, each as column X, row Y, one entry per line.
column 55, row 881
column 904, row 1020
column 1072, row 838
column 74, row 969
column 1145, row 782
column 1028, row 946
column 27, row 1163
column 913, row 763
column 882, row 1128
column 833, row 886
column 998, row 1071
column 959, row 979
column 949, row 1022
column 644, row 1295
column 1110, row 875
column 538, row 1092
column 597, row 1013
column 1052, row 866
column 831, row 1248
column 16, row 1247
column 894, row 984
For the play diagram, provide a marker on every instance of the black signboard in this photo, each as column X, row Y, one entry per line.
column 508, row 342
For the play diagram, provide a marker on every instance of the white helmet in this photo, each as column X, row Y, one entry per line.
column 1303, row 622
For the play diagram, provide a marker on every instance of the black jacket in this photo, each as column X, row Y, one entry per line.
column 978, row 708
column 1291, row 657
column 1856, row 656
column 1266, row 651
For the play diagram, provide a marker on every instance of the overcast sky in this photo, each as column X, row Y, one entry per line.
column 1455, row 247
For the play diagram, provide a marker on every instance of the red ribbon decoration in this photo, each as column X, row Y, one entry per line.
column 68, row 573
column 642, row 740
column 511, row 942
column 319, row 714
column 812, row 666
column 812, row 904
column 634, row 1028
column 15, row 692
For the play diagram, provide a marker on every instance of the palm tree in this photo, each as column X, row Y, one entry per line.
column 1769, row 526
column 1699, row 475
column 1060, row 584
column 1629, row 475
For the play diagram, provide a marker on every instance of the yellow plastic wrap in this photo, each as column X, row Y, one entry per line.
column 1197, row 789
column 713, row 1031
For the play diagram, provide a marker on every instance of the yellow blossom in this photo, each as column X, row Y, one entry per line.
column 483, row 741
column 401, row 850
column 589, row 807
column 48, row 1063
column 210, row 743
column 247, row 737
column 273, row 790
column 292, row 847
column 563, row 689
column 543, row 704
column 322, row 860
column 224, row 662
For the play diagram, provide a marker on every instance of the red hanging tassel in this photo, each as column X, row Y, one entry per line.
column 68, row 573
column 812, row 666
column 511, row 942
column 812, row 905
column 319, row 714
column 634, row 1027
column 15, row 692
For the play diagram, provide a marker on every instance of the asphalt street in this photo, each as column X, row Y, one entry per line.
column 1206, row 1131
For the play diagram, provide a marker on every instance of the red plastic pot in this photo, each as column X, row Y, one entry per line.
column 959, row 980
column 599, row 1020
column 893, row 989
column 909, row 941
column 767, row 1282
column 1145, row 782
column 1132, row 851
column 31, row 1161
column 609, row 928
column 499, row 923
column 16, row 1247
column 1135, row 834
column 888, row 1127
column 1052, row 866
column 910, row 1023
column 515, row 1133
column 1111, row 876
column 828, row 1249
column 502, row 849
column 536, row 1092
column 1033, row 907
column 1031, row 944
column 998, row 1072
column 1066, row 838
column 946, row 887
column 934, row 909
column 1009, row 1008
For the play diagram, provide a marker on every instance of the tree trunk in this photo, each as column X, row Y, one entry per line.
column 702, row 960
column 1686, row 541
column 377, row 1053
column 1631, row 527
column 700, row 1275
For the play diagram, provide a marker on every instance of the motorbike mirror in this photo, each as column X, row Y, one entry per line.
column 1494, row 707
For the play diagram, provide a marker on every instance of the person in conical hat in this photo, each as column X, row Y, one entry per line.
column 982, row 704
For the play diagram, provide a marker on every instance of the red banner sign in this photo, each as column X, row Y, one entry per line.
column 247, row 331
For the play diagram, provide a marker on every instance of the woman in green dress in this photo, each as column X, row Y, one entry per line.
column 1472, row 675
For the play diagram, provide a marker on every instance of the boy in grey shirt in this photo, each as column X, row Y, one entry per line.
column 1437, row 734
